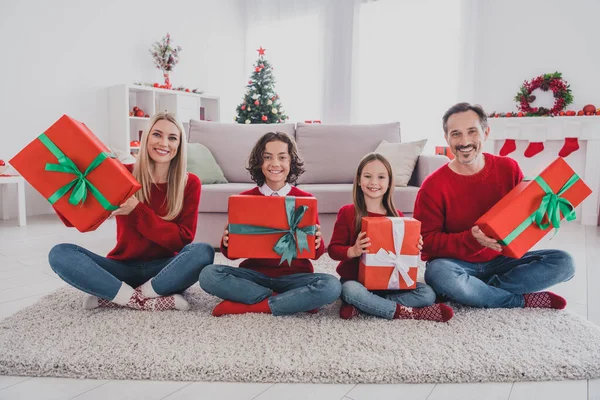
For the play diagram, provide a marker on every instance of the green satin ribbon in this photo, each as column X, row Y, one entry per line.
column 286, row 245
column 81, row 185
column 551, row 205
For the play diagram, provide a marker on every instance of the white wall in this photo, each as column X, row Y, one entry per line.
column 59, row 57
column 519, row 40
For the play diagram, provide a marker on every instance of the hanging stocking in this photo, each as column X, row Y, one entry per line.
column 571, row 144
column 508, row 147
column 533, row 149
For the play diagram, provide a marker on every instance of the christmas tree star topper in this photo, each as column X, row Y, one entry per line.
column 261, row 51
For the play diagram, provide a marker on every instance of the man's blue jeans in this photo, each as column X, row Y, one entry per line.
column 296, row 292
column 499, row 283
column 102, row 277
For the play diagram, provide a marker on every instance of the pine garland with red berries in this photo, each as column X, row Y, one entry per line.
column 562, row 94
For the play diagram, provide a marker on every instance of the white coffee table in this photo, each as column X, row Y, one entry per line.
column 4, row 182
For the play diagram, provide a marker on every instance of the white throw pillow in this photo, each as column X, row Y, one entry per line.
column 403, row 158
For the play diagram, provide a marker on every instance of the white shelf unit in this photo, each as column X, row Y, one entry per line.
column 122, row 128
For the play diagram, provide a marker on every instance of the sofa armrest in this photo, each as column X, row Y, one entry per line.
column 426, row 164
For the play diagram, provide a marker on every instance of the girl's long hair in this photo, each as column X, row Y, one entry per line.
column 177, row 175
column 360, row 208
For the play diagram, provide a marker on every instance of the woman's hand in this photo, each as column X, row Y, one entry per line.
column 360, row 246
column 420, row 244
column 318, row 237
column 127, row 207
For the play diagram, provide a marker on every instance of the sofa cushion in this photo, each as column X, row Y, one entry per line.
column 403, row 158
column 330, row 198
column 215, row 198
column 202, row 163
column 231, row 144
column 331, row 153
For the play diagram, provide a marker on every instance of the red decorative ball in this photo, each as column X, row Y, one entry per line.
column 250, row 82
column 243, row 108
column 139, row 113
column 264, row 118
column 580, row 113
column 2, row 163
column 590, row 108
column 256, row 102
column 187, row 90
column 257, row 69
column 156, row 85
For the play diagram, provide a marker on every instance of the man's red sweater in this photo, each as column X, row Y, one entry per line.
column 271, row 267
column 448, row 204
column 344, row 236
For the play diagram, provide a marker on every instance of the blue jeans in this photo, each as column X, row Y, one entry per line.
column 499, row 283
column 102, row 277
column 296, row 292
column 382, row 303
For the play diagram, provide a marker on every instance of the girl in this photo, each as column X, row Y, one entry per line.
column 373, row 197
column 155, row 228
column 262, row 285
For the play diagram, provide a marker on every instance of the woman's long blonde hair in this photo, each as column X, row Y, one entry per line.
column 177, row 176
column 360, row 208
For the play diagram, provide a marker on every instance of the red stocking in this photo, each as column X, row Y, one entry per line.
column 571, row 144
column 508, row 147
column 533, row 149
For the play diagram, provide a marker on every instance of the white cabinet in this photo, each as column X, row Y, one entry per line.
column 123, row 128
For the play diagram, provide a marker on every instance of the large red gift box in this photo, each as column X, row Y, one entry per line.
column 529, row 211
column 75, row 171
column 391, row 260
column 272, row 227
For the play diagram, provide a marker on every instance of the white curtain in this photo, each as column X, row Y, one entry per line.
column 364, row 61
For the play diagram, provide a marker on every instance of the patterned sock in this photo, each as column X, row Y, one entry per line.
column 571, row 144
column 534, row 148
column 348, row 311
column 147, row 290
column 174, row 302
column 231, row 307
column 508, row 147
column 544, row 300
column 436, row 312
column 91, row 302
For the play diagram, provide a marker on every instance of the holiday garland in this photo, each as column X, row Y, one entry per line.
column 560, row 88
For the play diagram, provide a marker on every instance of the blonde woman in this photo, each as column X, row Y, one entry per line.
column 154, row 259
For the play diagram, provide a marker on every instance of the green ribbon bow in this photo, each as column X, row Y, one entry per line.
column 81, row 184
column 286, row 245
column 552, row 205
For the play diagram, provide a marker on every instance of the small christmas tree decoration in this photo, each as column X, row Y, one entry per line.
column 165, row 57
column 260, row 92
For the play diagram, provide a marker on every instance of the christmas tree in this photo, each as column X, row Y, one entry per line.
column 261, row 105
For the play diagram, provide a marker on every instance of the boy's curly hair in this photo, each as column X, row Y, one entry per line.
column 255, row 161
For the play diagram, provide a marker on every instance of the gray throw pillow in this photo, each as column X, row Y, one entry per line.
column 202, row 163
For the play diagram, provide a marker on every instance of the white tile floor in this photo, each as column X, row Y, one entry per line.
column 25, row 277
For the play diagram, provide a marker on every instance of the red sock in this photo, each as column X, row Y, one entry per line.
column 231, row 307
column 348, row 311
column 544, row 300
column 508, row 147
column 436, row 312
column 313, row 311
column 571, row 144
column 533, row 149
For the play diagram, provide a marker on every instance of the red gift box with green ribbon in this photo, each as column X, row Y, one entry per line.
column 74, row 170
column 280, row 227
column 533, row 208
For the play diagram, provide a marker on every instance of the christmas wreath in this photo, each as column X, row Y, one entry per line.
column 562, row 94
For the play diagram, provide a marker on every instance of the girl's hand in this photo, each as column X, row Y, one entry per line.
column 318, row 237
column 360, row 246
column 225, row 238
column 127, row 207
column 420, row 244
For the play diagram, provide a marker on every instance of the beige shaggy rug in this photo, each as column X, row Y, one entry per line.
column 56, row 337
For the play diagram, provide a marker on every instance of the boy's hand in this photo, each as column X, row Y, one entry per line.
column 318, row 237
column 360, row 246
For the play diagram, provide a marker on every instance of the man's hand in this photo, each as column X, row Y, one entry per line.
column 484, row 240
column 360, row 246
column 420, row 244
column 318, row 237
column 127, row 207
